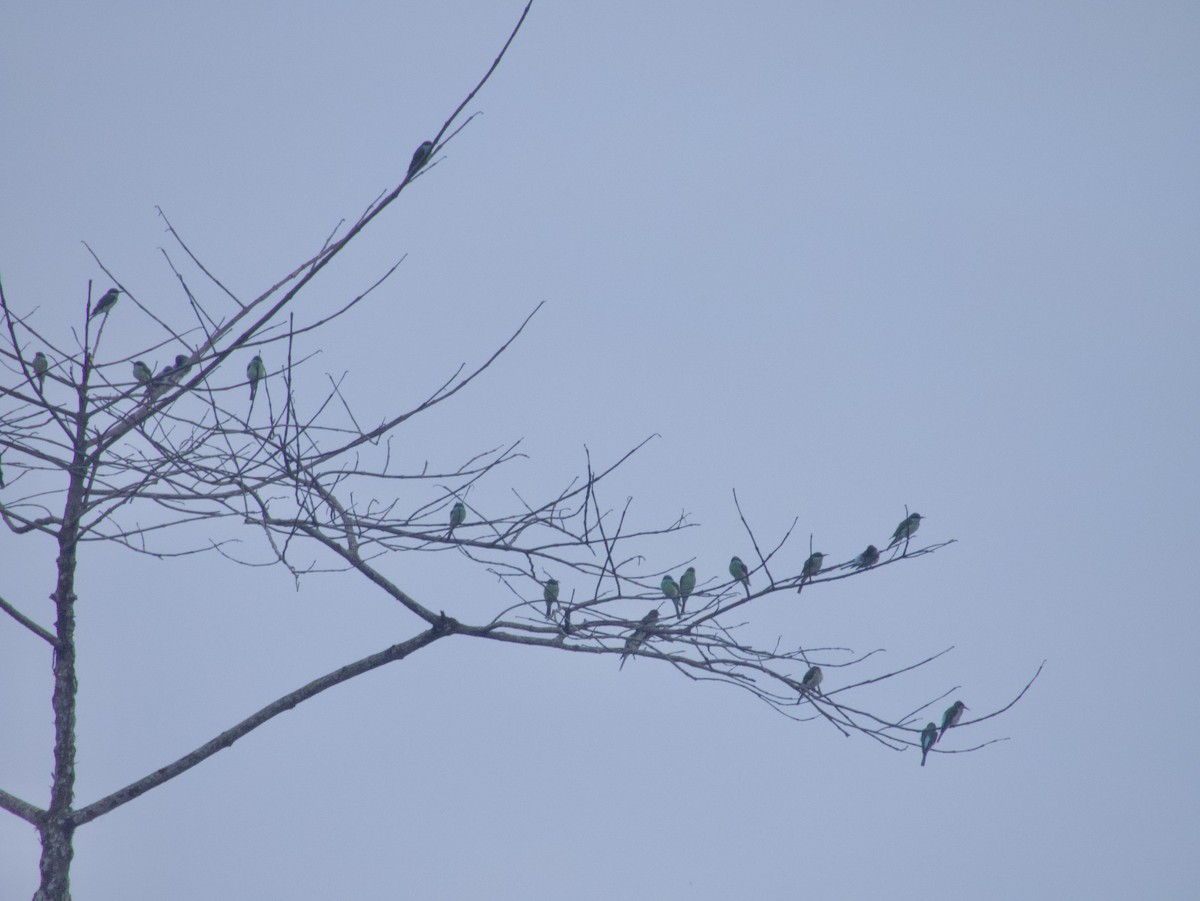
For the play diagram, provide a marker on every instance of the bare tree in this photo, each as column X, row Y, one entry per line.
column 96, row 449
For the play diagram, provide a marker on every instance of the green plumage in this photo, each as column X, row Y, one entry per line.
column 255, row 372
column 738, row 570
column 105, row 303
column 687, row 584
column 951, row 717
column 928, row 736
column 907, row 527
column 812, row 566
column 419, row 158
column 458, row 513
column 812, row 679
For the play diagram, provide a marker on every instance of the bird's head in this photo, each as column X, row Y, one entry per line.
column 180, row 359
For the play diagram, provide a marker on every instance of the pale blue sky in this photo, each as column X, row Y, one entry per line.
column 841, row 259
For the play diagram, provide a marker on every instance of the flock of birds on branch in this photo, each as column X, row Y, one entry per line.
column 155, row 385
column 678, row 592
column 172, row 374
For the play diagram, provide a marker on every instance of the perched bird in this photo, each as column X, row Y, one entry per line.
column 640, row 634
column 457, row 514
column 161, row 383
column 905, row 530
column 176, row 373
column 687, row 584
column 671, row 590
column 550, row 594
column 40, row 367
column 105, row 303
column 254, row 372
column 738, row 570
column 951, row 717
column 812, row 566
column 142, row 373
column 812, row 680
column 928, row 736
column 420, row 158
column 1, row 470
column 867, row 558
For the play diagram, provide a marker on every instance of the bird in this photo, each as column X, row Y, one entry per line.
column 812, row 566
column 951, row 717
column 867, row 558
column 255, row 370
column 1, row 470
column 634, row 641
column 142, row 372
column 105, row 303
column 457, row 514
column 905, row 530
column 738, row 570
column 161, row 383
column 812, row 680
column 550, row 594
column 671, row 590
column 687, row 584
column 40, row 367
column 176, row 372
column 420, row 158
column 928, row 736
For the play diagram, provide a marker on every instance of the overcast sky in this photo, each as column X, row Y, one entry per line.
column 840, row 257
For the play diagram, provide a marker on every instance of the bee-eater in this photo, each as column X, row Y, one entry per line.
column 738, row 570
column 812, row 680
column 255, row 371
column 105, row 303
column 951, row 717
column 640, row 634
column 812, row 566
column 928, row 737
column 40, row 367
column 419, row 159
column 458, row 513
column 671, row 590
column 867, row 558
column 905, row 530
column 687, row 584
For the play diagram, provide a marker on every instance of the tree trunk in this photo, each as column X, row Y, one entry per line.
column 57, row 830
